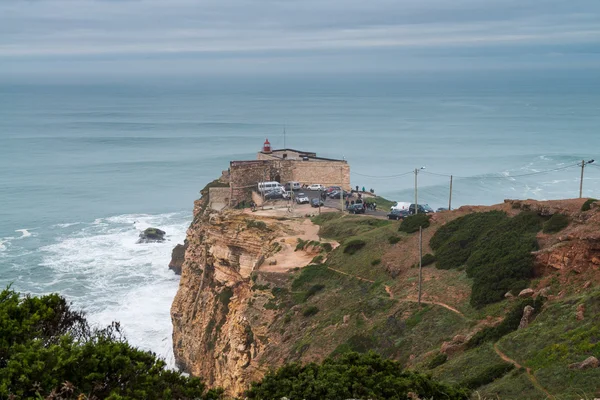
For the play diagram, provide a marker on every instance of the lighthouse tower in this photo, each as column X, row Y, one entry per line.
column 267, row 147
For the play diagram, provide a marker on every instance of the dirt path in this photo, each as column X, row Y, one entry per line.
column 408, row 299
column 530, row 375
column 350, row 275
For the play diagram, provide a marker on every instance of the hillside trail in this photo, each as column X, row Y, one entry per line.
column 530, row 375
column 406, row 300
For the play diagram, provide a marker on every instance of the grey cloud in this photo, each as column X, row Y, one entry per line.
column 85, row 28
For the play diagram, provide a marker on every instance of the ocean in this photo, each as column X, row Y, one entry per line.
column 85, row 166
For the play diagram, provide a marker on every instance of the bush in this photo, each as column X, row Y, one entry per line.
column 556, row 223
column 260, row 225
column 427, row 259
column 394, row 239
column 353, row 246
column 412, row 223
column 317, row 259
column 376, row 261
column 588, row 204
column 314, row 289
column 438, row 360
column 495, row 248
column 301, row 244
column 488, row 375
column 49, row 347
column 310, row 311
column 327, row 247
column 351, row 376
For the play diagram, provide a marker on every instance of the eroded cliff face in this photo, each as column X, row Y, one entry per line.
column 220, row 324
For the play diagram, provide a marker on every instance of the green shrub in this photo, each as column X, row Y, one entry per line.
column 488, row 375
column 327, row 247
column 351, row 376
column 310, row 274
column 376, row 261
column 394, row 239
column 353, row 246
column 317, row 259
column 260, row 225
column 588, row 204
column 495, row 248
column 427, row 259
column 310, row 311
column 48, row 350
column 412, row 223
column 556, row 223
column 438, row 360
column 301, row 244
column 314, row 289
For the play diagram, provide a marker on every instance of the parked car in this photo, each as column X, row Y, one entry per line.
column 316, row 186
column 423, row 209
column 441, row 209
column 398, row 214
column 273, row 195
column 333, row 188
column 356, row 209
column 317, row 202
column 293, row 186
column 336, row 194
column 301, row 198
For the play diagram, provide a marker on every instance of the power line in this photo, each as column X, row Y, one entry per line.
column 505, row 176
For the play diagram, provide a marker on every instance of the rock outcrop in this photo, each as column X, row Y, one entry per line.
column 527, row 317
column 178, row 257
column 152, row 235
column 590, row 362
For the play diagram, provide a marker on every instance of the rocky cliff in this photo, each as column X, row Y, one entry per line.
column 220, row 324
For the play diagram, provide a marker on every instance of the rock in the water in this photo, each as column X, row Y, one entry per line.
column 526, row 293
column 590, row 362
column 177, row 257
column 151, row 235
column 527, row 317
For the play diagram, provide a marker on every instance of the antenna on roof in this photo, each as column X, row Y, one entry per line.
column 284, row 137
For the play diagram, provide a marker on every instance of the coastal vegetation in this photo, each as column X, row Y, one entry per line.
column 351, row 376
column 494, row 248
column 48, row 350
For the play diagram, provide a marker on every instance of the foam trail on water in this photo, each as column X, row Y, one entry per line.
column 102, row 269
column 24, row 233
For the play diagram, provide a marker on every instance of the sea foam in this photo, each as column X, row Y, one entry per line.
column 102, row 269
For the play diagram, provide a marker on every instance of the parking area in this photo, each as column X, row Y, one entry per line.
column 328, row 203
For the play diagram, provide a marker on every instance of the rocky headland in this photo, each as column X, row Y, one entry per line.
column 247, row 302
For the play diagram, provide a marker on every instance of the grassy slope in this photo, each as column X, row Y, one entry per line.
column 397, row 328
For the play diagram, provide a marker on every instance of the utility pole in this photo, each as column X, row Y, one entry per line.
column 583, row 164
column 581, row 180
column 450, row 199
column 420, row 261
column 416, row 197
column 342, row 189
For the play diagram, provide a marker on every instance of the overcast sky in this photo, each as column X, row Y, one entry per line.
column 290, row 36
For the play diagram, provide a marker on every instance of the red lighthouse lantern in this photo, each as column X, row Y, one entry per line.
column 267, row 146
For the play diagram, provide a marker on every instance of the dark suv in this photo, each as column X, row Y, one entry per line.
column 423, row 209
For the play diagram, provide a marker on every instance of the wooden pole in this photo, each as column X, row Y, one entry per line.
column 420, row 262
column 416, row 190
column 450, row 199
column 581, row 180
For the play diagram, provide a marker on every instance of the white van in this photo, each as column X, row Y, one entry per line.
column 264, row 187
column 293, row 186
column 401, row 205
